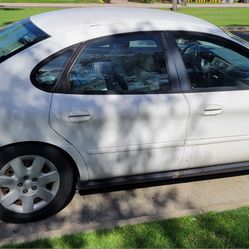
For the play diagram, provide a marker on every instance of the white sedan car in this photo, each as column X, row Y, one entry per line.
column 100, row 97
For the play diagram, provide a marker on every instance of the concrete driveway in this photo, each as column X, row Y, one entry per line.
column 108, row 210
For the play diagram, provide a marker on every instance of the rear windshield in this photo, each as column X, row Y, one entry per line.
column 17, row 37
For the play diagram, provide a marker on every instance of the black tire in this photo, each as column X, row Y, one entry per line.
column 67, row 183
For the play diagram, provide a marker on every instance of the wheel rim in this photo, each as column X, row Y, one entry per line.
column 28, row 184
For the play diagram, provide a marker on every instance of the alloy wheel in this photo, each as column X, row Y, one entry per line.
column 28, row 184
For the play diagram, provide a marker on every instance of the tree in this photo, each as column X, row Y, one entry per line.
column 174, row 5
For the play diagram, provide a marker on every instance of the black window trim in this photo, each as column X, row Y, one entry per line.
column 177, row 61
column 184, row 80
column 62, row 85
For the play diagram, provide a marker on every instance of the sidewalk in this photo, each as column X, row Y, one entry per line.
column 118, row 3
column 109, row 210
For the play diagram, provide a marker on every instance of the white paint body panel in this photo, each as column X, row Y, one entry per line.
column 24, row 109
column 126, row 134
column 118, row 19
column 217, row 139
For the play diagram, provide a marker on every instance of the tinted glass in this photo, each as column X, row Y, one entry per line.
column 17, row 37
column 47, row 75
column 214, row 63
column 241, row 37
column 124, row 63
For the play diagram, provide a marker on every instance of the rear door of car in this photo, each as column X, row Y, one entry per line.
column 120, row 105
column 216, row 85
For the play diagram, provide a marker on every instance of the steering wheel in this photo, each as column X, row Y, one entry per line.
column 200, row 67
column 194, row 50
column 192, row 47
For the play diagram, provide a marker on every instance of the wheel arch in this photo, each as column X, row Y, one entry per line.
column 65, row 153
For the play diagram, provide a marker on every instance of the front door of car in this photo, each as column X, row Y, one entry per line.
column 218, row 73
column 120, row 110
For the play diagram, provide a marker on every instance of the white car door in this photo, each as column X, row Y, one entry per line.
column 218, row 73
column 120, row 110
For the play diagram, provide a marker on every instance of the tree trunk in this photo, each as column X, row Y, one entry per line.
column 174, row 5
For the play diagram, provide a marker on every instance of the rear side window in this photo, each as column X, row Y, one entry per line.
column 127, row 63
column 18, row 36
column 46, row 74
column 123, row 64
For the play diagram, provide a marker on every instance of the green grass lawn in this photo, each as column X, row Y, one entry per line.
column 228, row 229
column 220, row 16
column 8, row 16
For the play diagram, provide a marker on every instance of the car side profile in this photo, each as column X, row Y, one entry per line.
column 98, row 97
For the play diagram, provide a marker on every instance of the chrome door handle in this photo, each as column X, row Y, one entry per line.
column 77, row 116
column 211, row 110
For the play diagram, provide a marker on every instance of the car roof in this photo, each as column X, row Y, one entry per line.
column 138, row 19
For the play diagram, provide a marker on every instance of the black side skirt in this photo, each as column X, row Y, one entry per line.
column 168, row 177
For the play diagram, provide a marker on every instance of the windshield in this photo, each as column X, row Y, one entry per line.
column 17, row 37
column 237, row 38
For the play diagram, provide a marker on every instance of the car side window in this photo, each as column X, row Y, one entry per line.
column 214, row 63
column 48, row 73
column 123, row 64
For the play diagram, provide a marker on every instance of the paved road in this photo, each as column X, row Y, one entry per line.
column 108, row 210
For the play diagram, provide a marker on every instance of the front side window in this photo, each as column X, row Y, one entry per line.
column 123, row 63
column 17, row 37
column 214, row 63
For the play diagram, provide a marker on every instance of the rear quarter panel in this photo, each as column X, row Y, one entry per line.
column 24, row 109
